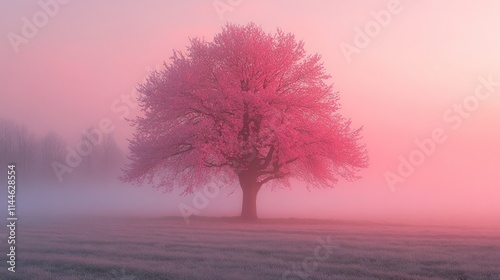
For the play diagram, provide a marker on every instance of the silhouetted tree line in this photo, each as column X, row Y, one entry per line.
column 34, row 156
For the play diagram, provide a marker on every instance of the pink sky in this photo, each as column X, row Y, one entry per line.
column 426, row 59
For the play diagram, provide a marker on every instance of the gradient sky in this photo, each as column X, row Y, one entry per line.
column 428, row 58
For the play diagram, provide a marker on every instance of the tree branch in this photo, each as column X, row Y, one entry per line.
column 179, row 153
column 276, row 167
column 267, row 159
column 275, row 176
column 209, row 164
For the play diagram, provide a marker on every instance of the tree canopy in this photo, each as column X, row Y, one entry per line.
column 249, row 106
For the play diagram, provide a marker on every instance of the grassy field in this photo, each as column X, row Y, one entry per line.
column 217, row 248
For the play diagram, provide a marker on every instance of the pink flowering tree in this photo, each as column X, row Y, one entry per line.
column 249, row 107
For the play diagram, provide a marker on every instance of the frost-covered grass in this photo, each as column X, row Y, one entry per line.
column 166, row 248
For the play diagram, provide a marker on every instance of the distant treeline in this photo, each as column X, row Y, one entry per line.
column 35, row 156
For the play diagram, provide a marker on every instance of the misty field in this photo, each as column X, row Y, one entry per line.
column 217, row 248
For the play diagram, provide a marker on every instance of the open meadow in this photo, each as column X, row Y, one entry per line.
column 224, row 248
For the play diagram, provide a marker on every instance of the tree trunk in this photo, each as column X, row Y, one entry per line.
column 250, row 189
